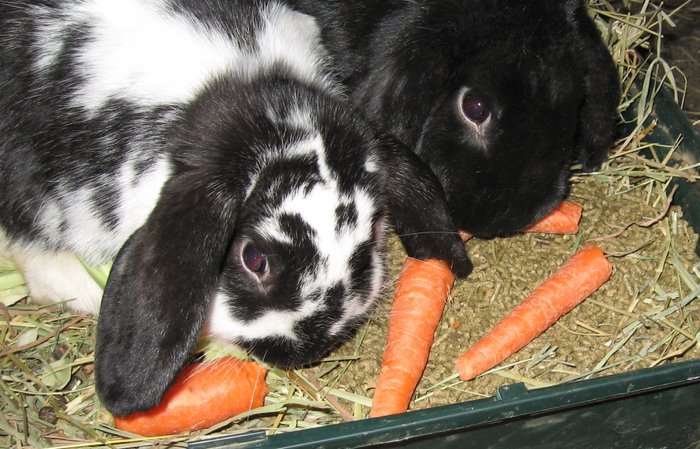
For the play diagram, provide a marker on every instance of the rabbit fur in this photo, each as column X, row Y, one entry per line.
column 498, row 97
column 206, row 147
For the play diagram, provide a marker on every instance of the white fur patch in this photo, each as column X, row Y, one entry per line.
column 294, row 38
column 58, row 277
column 359, row 306
column 336, row 247
column 71, row 220
column 49, row 40
column 84, row 228
column 140, row 52
column 139, row 194
column 222, row 324
column 372, row 164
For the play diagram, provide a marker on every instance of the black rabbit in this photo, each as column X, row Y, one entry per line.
column 499, row 97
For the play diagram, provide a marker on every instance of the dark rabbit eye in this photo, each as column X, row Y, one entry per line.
column 254, row 260
column 474, row 108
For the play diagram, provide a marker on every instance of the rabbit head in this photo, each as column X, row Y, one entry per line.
column 271, row 230
column 500, row 99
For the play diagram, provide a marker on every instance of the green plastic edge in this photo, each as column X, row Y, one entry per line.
column 511, row 403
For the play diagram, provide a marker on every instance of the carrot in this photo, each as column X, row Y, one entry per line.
column 564, row 219
column 585, row 272
column 419, row 300
column 202, row 395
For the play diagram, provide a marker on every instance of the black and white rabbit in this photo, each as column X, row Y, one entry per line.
column 499, row 97
column 203, row 145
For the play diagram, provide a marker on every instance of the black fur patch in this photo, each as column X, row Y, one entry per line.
column 346, row 216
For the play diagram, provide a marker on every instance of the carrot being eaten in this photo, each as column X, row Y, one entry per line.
column 419, row 300
column 202, row 395
column 564, row 219
column 584, row 273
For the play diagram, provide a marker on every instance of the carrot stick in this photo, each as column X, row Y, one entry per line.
column 584, row 273
column 564, row 219
column 203, row 394
column 419, row 300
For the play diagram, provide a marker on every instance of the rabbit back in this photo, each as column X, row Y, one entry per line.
column 100, row 85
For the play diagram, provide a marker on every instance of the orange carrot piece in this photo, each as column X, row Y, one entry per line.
column 421, row 293
column 564, row 219
column 203, row 394
column 584, row 273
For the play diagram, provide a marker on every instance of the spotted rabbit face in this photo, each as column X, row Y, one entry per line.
column 306, row 266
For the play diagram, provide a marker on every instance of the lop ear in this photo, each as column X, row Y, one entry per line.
column 598, row 115
column 157, row 296
column 418, row 209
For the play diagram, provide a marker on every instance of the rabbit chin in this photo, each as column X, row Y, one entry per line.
column 285, row 338
column 311, row 343
column 286, row 354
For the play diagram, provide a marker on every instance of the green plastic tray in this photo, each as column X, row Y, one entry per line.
column 655, row 408
column 650, row 408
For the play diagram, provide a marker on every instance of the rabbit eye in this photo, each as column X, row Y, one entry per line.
column 474, row 109
column 253, row 259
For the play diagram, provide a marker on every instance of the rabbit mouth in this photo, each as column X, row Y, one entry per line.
column 289, row 338
column 309, row 347
column 509, row 214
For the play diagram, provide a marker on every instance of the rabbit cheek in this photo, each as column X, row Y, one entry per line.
column 304, row 335
column 311, row 307
column 494, row 191
column 279, row 336
column 490, row 201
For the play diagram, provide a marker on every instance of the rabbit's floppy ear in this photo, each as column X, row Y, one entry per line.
column 418, row 209
column 157, row 296
column 598, row 114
